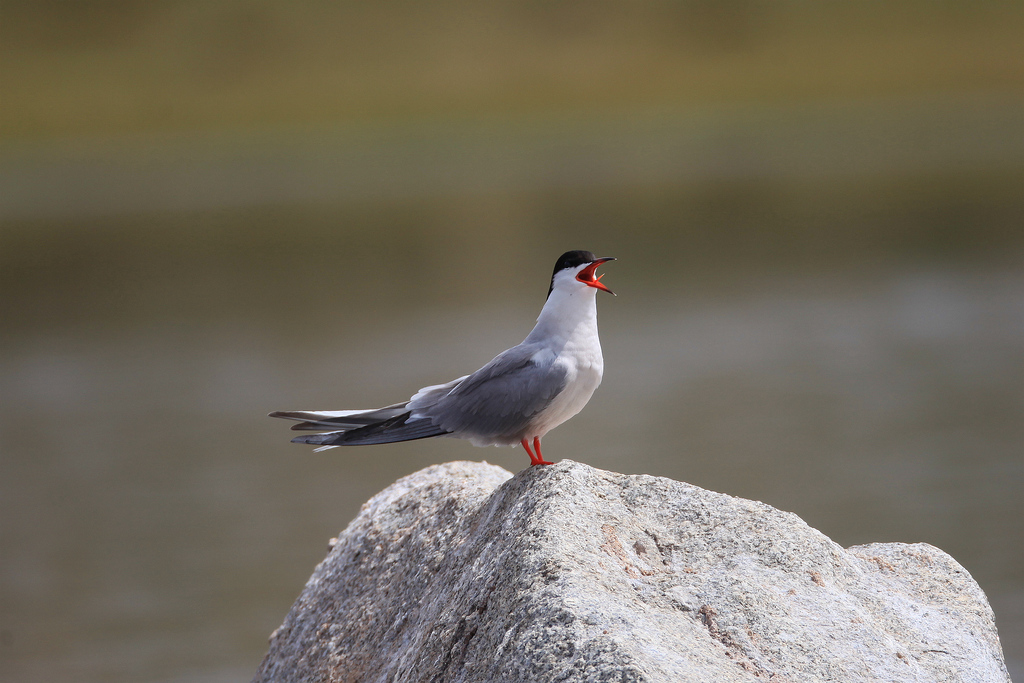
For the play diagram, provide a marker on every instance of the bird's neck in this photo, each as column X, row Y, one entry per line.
column 567, row 315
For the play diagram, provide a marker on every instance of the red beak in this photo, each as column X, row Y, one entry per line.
column 587, row 277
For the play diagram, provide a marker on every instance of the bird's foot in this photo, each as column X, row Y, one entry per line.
column 535, row 455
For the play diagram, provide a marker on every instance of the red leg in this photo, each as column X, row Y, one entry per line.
column 534, row 460
column 540, row 457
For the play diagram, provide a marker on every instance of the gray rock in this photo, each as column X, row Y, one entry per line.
column 462, row 572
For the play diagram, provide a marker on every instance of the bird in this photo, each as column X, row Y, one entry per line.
column 516, row 398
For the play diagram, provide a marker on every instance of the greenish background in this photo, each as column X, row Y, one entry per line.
column 211, row 210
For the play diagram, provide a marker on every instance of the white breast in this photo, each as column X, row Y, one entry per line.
column 584, row 366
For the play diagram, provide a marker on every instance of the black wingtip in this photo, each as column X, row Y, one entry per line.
column 317, row 439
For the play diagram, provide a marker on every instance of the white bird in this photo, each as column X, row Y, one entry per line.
column 518, row 397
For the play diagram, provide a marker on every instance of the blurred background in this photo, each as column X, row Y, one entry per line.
column 211, row 209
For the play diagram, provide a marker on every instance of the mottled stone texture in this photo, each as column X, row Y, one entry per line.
column 462, row 572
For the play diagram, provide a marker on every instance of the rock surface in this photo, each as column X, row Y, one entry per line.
column 461, row 572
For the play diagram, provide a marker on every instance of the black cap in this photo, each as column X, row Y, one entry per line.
column 571, row 259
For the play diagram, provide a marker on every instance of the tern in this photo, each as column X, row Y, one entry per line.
column 518, row 397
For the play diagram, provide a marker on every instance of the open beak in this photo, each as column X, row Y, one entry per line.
column 587, row 277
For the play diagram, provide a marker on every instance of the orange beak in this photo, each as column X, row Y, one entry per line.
column 587, row 277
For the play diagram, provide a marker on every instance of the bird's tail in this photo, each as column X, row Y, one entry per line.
column 360, row 427
column 318, row 420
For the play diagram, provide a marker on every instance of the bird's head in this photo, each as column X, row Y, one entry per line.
column 574, row 268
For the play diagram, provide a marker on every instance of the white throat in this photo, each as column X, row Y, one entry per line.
column 570, row 313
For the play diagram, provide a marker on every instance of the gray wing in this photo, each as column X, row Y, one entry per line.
column 497, row 402
column 318, row 420
column 365, row 427
column 398, row 428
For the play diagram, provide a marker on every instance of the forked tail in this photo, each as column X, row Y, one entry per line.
column 361, row 428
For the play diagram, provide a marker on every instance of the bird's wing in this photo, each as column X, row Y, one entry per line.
column 428, row 396
column 498, row 400
column 339, row 419
column 398, row 428
column 364, row 427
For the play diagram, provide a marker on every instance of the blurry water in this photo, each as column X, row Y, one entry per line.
column 156, row 527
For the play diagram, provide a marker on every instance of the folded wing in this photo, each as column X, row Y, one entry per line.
column 498, row 402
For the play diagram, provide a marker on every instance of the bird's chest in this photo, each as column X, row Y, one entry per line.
column 584, row 367
column 582, row 359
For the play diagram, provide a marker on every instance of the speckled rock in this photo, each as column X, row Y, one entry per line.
column 462, row 573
